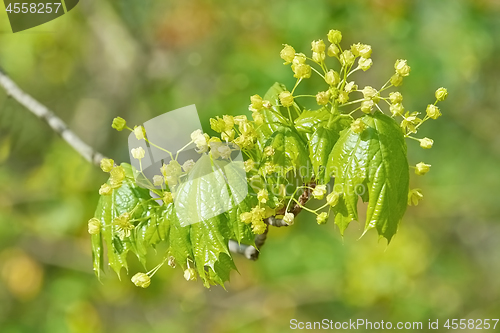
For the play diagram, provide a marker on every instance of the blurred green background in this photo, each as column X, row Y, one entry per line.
column 139, row 59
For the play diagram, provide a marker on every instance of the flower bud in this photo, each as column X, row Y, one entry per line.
column 190, row 274
column 287, row 54
column 358, row 126
column 343, row 97
column 426, row 143
column 321, row 218
column 351, row 86
column 318, row 57
column 319, row 192
column 105, row 189
column 107, row 164
column 371, row 93
column 229, row 135
column 323, row 97
column 119, row 124
column 188, row 165
column 333, row 50
column 396, row 97
column 286, row 98
column 333, row 198
column 269, row 151
column 141, row 280
column 168, row 198
column 94, row 226
column 257, row 118
column 396, row 80
column 433, row 111
column 347, row 58
column 367, row 106
column 249, row 165
column 365, row 51
column 139, row 132
column 288, row 218
column 318, row 46
column 441, row 94
column 334, row 36
column 263, row 196
column 158, row 180
column 256, row 103
column 365, row 63
column 414, row 196
column 396, row 109
column 402, row 67
column 422, row 168
column 302, row 71
column 300, row 58
column 332, row 77
column 217, row 124
column 224, row 151
column 246, row 217
column 138, row 153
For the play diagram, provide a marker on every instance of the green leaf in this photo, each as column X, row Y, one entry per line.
column 274, row 117
column 373, row 165
column 97, row 254
column 290, row 152
column 309, row 120
column 320, row 146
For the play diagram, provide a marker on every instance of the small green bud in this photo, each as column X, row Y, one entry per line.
column 140, row 132
column 105, row 189
column 414, row 196
column 441, row 94
column 318, row 46
column 332, row 77
column 94, row 226
column 333, row 198
column 334, row 36
column 433, row 111
column 263, row 196
column 256, row 103
column 323, row 97
column 396, row 97
column 286, row 98
column 347, row 58
column 422, row 168
column 333, row 50
column 371, row 93
column 396, row 80
column 343, row 97
column 358, row 126
column 190, row 274
column 365, row 63
column 321, row 218
column 119, row 123
column 318, row 57
column 288, row 218
column 246, row 217
column 158, row 180
column 168, row 198
column 302, row 71
column 397, row 109
column 319, row 192
column 287, row 54
column 107, row 164
column 141, row 280
column 367, row 106
column 138, row 153
column 402, row 67
column 426, row 143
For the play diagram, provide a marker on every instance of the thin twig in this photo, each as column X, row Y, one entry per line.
column 42, row 112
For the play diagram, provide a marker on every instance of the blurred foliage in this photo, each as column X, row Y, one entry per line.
column 139, row 59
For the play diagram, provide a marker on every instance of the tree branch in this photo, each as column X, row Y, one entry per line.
column 252, row 252
column 42, row 112
column 91, row 155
